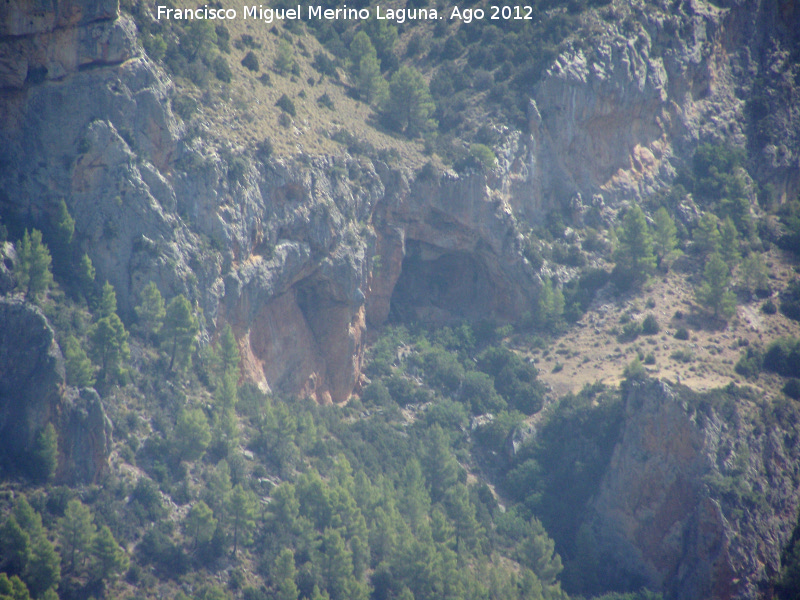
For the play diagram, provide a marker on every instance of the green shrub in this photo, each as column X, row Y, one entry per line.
column 682, row 334
column 222, row 70
column 158, row 549
column 326, row 101
column 790, row 300
column 769, row 308
column 783, row 357
column 749, row 364
column 376, row 393
column 634, row 371
column 792, row 388
column 286, row 105
column 483, row 156
column 325, row 65
column 650, row 325
column 684, row 356
column 442, row 369
column 250, row 61
column 264, row 149
column 478, row 391
column 630, row 331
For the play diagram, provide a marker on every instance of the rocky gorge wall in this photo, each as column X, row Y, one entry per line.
column 700, row 497
column 299, row 260
column 278, row 253
column 303, row 261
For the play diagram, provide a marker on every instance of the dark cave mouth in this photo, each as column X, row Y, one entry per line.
column 440, row 287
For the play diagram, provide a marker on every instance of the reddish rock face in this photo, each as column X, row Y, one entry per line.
column 663, row 516
column 315, row 352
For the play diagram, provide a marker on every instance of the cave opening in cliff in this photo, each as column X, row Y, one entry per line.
column 439, row 286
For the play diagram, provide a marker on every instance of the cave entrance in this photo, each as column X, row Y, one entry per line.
column 438, row 286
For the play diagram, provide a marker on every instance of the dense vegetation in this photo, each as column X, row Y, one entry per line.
column 385, row 498
column 430, row 485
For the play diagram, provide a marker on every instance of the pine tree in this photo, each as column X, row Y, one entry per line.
column 409, row 108
column 42, row 572
column 198, row 40
column 365, row 69
column 415, row 501
column 77, row 533
column 107, row 304
column 64, row 226
column 80, row 371
column 109, row 346
column 150, row 310
column 284, row 574
column 110, row 559
column 200, row 524
column 33, row 265
column 753, row 272
column 462, row 512
column 360, row 47
column 371, row 85
column 634, row 253
column 179, row 331
column 16, row 546
column 86, row 277
column 383, row 37
column 706, row 235
column 13, row 588
column 713, row 293
column 218, row 489
column 45, row 453
column 284, row 507
column 317, row 594
column 44, row 569
column 441, row 468
column 192, row 434
column 549, row 305
column 537, row 552
column 665, row 235
column 337, row 564
column 28, row 518
column 284, row 57
column 226, row 357
column 242, row 509
column 729, row 243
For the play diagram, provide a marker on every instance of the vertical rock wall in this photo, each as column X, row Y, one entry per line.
column 699, row 498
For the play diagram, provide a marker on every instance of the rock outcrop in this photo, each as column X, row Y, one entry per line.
column 33, row 393
column 616, row 114
column 700, row 497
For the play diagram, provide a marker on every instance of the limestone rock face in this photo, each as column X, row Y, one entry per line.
column 696, row 502
column 448, row 248
column 614, row 117
column 46, row 41
column 31, row 379
column 299, row 259
column 85, row 435
column 33, row 393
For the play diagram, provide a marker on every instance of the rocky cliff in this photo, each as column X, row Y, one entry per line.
column 701, row 494
column 624, row 107
column 286, row 252
column 33, row 393
column 300, row 254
